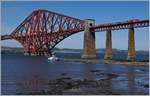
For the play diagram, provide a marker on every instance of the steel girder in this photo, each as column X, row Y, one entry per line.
column 43, row 30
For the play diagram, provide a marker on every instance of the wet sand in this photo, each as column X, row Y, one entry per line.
column 98, row 61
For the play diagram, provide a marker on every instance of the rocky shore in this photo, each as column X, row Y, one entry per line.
column 68, row 86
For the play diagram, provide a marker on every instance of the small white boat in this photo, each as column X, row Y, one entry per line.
column 53, row 58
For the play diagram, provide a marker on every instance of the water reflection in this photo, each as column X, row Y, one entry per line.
column 131, row 80
column 87, row 71
column 33, row 84
column 33, row 79
column 108, row 69
column 30, row 74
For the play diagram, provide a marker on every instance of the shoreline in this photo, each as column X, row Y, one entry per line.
column 100, row 61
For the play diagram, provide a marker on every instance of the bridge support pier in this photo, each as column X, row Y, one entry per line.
column 108, row 51
column 131, row 45
column 89, row 50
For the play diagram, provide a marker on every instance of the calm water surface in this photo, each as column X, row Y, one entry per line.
column 23, row 74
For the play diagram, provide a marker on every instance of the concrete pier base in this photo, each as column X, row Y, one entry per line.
column 37, row 54
column 131, row 45
column 25, row 53
column 89, row 50
column 108, row 51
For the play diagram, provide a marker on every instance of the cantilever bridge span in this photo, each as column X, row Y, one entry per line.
column 42, row 30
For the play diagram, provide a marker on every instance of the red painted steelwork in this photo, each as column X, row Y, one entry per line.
column 121, row 25
column 43, row 29
column 4, row 37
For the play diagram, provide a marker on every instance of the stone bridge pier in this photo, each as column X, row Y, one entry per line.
column 89, row 50
column 108, row 50
column 131, row 45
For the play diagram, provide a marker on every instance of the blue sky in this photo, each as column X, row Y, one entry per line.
column 13, row 13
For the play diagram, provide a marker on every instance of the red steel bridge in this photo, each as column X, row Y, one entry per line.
column 42, row 30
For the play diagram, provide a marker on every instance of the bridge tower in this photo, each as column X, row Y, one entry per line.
column 89, row 50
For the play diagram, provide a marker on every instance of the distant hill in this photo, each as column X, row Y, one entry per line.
column 64, row 50
column 11, row 50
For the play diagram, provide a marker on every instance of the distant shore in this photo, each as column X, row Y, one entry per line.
column 11, row 50
column 98, row 61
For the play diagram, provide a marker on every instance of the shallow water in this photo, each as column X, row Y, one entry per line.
column 23, row 74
